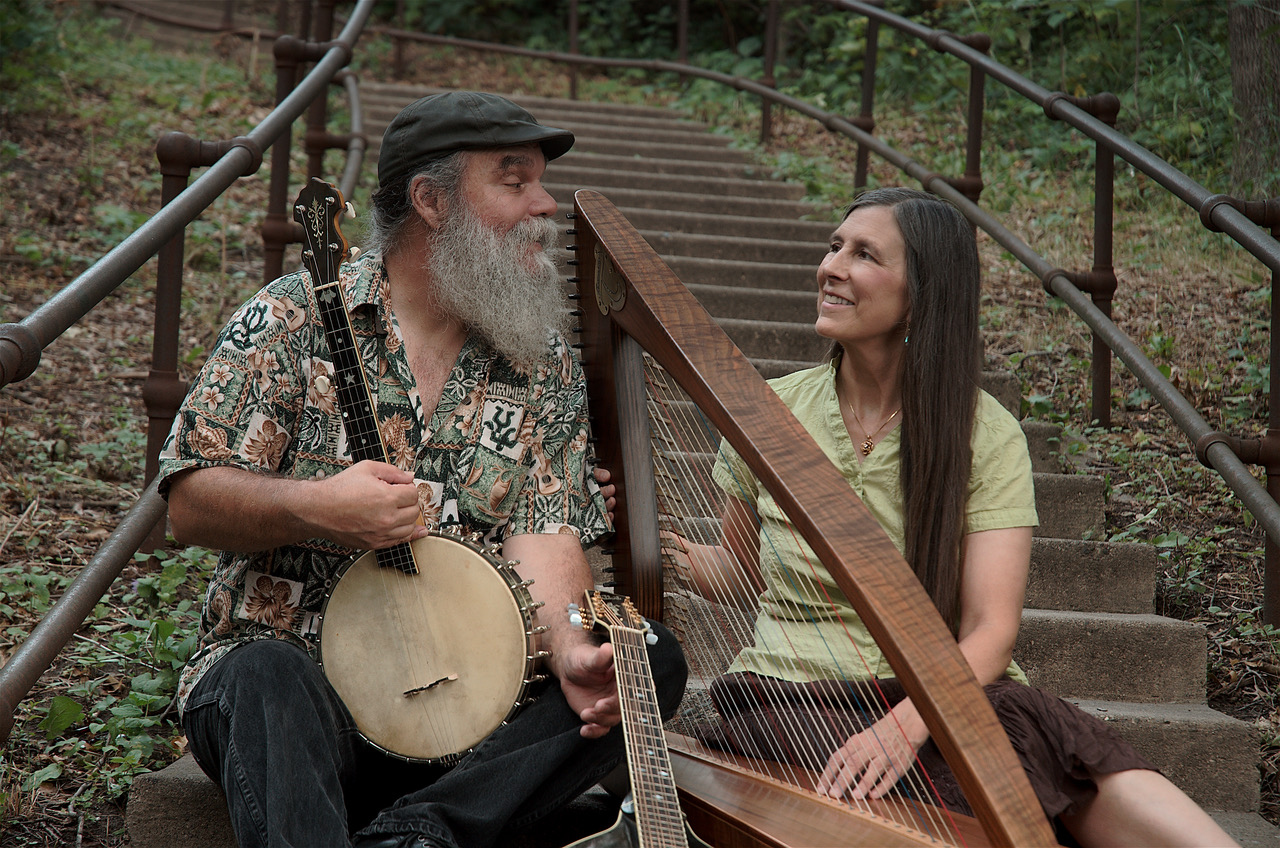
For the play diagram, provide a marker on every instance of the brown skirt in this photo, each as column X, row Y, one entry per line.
column 1061, row 747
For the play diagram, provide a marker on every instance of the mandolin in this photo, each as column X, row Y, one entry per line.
column 656, row 820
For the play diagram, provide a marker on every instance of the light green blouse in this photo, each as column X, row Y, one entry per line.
column 806, row 628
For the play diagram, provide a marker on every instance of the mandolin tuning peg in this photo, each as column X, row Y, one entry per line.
column 350, row 210
column 354, row 254
column 575, row 618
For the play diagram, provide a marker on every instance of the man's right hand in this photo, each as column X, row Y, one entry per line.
column 368, row 506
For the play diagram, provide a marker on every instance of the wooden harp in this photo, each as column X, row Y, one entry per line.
column 638, row 319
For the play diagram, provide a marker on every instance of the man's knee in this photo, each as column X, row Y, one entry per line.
column 670, row 671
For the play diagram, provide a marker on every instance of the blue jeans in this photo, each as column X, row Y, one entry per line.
column 266, row 725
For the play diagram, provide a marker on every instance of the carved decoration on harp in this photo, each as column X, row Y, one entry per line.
column 611, row 289
column 641, row 328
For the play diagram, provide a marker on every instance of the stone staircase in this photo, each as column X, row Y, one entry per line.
column 747, row 246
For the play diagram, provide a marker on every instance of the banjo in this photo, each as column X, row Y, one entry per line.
column 399, row 640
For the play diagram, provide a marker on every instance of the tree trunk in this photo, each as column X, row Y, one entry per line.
column 1254, row 39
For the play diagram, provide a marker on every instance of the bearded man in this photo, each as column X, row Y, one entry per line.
column 457, row 313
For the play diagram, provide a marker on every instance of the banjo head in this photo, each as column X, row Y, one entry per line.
column 429, row 664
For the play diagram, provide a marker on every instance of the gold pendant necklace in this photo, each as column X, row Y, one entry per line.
column 867, row 440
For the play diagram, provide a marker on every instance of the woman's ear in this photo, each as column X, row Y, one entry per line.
column 430, row 203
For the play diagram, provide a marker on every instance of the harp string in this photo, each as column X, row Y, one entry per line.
column 690, row 506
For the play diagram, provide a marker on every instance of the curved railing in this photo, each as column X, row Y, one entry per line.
column 22, row 343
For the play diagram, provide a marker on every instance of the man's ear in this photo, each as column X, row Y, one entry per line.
column 429, row 202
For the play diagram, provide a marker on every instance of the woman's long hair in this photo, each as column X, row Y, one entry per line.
column 942, row 368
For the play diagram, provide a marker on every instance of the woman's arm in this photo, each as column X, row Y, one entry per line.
column 993, row 583
column 729, row 572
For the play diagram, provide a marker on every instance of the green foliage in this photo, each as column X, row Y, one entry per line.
column 114, row 718
column 29, row 44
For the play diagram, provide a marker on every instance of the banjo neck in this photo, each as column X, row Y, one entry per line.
column 317, row 209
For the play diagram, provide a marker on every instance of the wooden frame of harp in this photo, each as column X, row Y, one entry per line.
column 635, row 310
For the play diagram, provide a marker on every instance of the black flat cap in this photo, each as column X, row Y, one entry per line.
column 460, row 120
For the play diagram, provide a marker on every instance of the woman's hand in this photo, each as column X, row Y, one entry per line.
column 871, row 762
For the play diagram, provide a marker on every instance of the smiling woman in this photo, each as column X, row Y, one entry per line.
column 951, row 486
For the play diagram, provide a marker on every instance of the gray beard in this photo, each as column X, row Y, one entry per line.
column 482, row 279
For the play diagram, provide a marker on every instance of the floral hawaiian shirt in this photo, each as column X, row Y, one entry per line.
column 503, row 454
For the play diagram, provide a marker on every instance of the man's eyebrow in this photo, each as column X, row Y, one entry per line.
column 514, row 160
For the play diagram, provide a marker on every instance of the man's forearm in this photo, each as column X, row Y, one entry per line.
column 233, row 509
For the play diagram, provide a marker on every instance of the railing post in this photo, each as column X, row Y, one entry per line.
column 573, row 49
column 865, row 120
column 398, row 43
column 1105, row 107
column 1271, row 462
column 163, row 391
column 277, row 227
column 317, row 139
column 1099, row 282
column 970, row 185
column 770, row 55
column 682, row 34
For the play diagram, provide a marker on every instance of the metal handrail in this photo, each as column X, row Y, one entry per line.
column 22, row 343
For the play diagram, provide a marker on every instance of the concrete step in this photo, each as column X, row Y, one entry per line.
column 765, row 251
column 604, row 180
column 1044, row 440
column 795, row 340
column 1073, row 506
column 746, row 207
column 381, row 93
column 584, row 127
column 814, row 231
column 748, row 303
column 1135, row 657
column 179, row 807
column 695, row 270
column 601, row 161
column 1210, row 756
column 1070, row 574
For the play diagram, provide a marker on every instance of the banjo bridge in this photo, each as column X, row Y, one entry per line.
column 409, row 693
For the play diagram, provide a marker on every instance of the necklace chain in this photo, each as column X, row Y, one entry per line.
column 867, row 440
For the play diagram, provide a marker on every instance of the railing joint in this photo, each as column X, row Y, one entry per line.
column 1264, row 213
column 1104, row 106
column 1047, row 278
column 1100, row 283
column 979, row 41
column 1247, row 451
column 969, row 185
column 19, row 353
